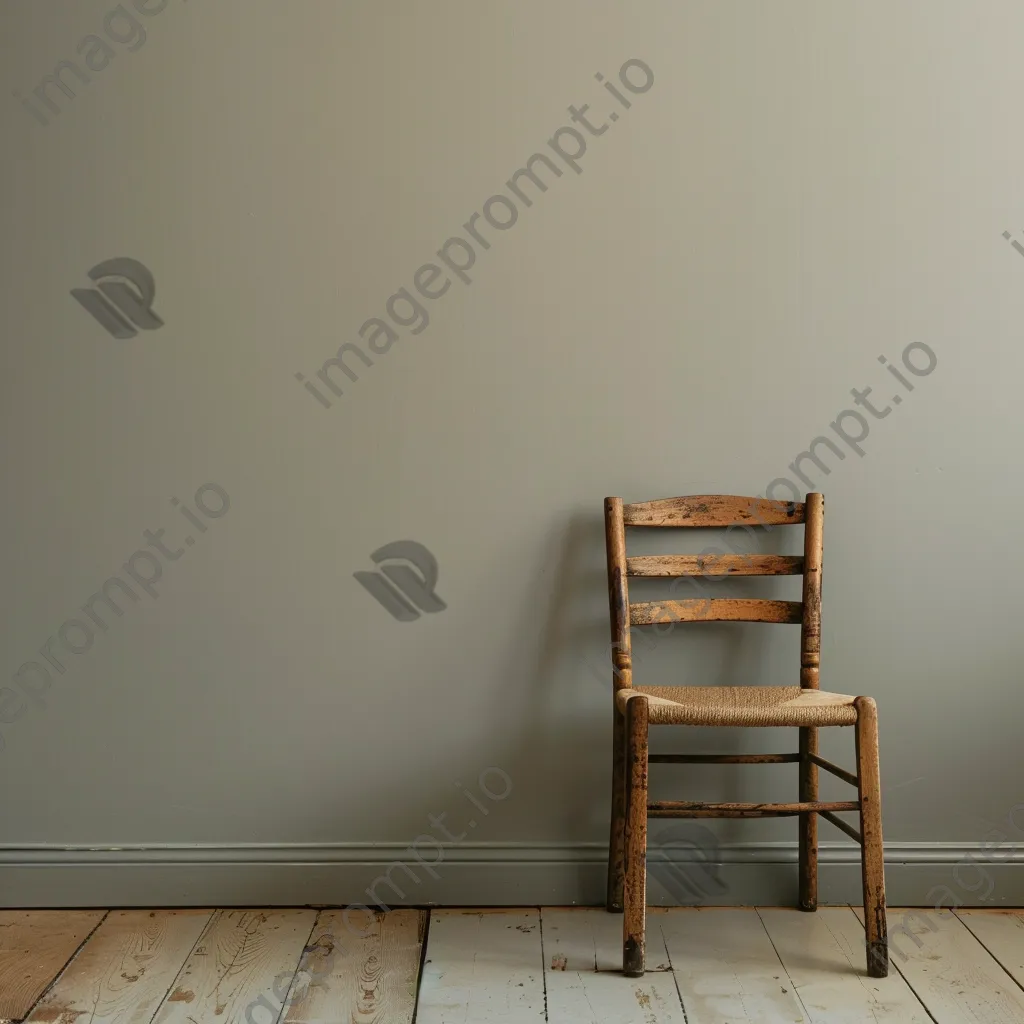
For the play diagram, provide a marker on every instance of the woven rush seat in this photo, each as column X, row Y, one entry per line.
column 742, row 705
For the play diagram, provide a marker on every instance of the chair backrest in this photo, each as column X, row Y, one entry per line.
column 722, row 511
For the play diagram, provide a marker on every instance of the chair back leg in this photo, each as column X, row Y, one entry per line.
column 617, row 838
column 872, row 859
column 635, row 888
column 808, row 848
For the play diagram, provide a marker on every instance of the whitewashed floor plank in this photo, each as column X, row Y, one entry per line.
column 589, row 939
column 483, row 967
column 240, row 970
column 726, row 967
column 348, row 976
column 950, row 971
column 1001, row 932
column 824, row 956
column 591, row 997
column 124, row 971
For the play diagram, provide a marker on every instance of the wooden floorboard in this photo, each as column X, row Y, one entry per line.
column 824, row 956
column 515, row 966
column 483, row 967
column 952, row 973
column 601, row 997
column 34, row 947
column 241, row 969
column 726, row 967
column 359, row 966
column 590, row 939
column 125, row 970
column 1001, row 932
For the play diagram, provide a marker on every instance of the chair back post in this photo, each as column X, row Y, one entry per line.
column 618, row 593
column 810, row 628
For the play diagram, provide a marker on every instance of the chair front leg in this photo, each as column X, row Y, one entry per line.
column 616, row 840
column 635, row 902
column 872, row 857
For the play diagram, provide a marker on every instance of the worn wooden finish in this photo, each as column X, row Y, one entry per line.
column 617, row 831
column 698, row 809
column 240, row 968
column 713, row 510
column 360, row 968
column 872, row 858
column 125, row 969
column 843, row 826
column 601, row 998
column 823, row 954
column 730, row 512
column 722, row 758
column 952, row 973
column 807, row 836
column 810, row 627
column 714, row 565
column 719, row 609
column 839, row 773
column 810, row 659
column 581, row 939
column 635, row 897
column 618, row 593
column 482, row 967
column 34, row 947
column 727, row 968
column 1001, row 933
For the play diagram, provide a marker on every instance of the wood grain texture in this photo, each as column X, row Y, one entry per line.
column 810, row 628
column 823, row 954
column 714, row 565
column 834, row 769
column 950, row 970
column 346, row 975
column 618, row 594
column 713, row 510
column 483, row 967
column 590, row 939
column 700, row 809
column 810, row 658
column 240, row 970
column 1002, row 934
column 124, row 971
column 604, row 998
column 723, row 758
column 807, row 834
column 719, row 609
column 34, row 947
column 617, row 818
column 843, row 826
column 726, row 967
column 635, row 888
column 872, row 856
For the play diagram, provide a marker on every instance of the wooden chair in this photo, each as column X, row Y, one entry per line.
column 805, row 706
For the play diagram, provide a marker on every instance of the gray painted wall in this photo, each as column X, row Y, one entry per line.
column 800, row 189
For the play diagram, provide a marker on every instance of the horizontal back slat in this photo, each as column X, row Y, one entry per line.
column 714, row 610
column 713, row 510
column 714, row 565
